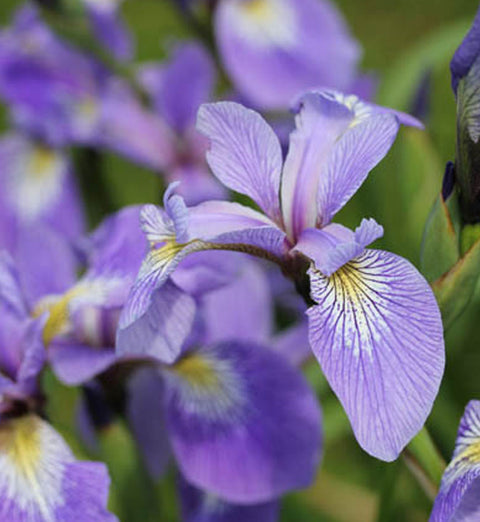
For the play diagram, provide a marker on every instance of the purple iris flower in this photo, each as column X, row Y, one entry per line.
column 221, row 403
column 457, row 500
column 177, row 89
column 61, row 96
column 274, row 49
column 374, row 325
column 37, row 186
column 40, row 479
column 108, row 27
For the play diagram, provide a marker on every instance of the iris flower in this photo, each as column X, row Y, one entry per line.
column 274, row 49
column 457, row 500
column 374, row 324
column 40, row 479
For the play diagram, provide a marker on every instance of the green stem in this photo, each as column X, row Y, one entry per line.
column 425, row 462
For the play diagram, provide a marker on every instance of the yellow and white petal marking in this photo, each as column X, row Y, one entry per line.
column 87, row 292
column 264, row 23
column 467, row 447
column 87, row 114
column 32, row 463
column 360, row 109
column 35, row 181
column 207, row 385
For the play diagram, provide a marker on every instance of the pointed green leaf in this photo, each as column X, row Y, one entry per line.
column 440, row 245
column 455, row 289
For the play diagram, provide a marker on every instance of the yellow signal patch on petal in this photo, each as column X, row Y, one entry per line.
column 88, row 292
column 265, row 22
column 197, row 371
column 31, row 466
column 207, row 385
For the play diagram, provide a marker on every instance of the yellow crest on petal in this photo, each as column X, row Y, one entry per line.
column 198, row 372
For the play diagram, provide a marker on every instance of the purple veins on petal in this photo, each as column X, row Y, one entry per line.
column 457, row 500
column 377, row 333
column 244, row 154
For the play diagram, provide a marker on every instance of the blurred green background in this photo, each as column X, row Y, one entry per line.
column 403, row 41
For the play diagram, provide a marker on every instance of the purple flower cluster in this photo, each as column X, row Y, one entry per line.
column 164, row 315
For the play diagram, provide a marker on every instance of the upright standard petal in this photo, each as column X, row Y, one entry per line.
column 243, row 423
column 40, row 480
column 319, row 124
column 274, row 49
column 182, row 85
column 198, row 506
column 355, row 154
column 457, row 500
column 338, row 140
column 244, row 154
column 377, row 333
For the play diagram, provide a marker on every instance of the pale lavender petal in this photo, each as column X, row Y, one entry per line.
column 47, row 483
column 368, row 232
column 293, row 343
column 145, row 411
column 224, row 222
column 76, row 364
column 11, row 295
column 110, row 30
column 156, row 320
column 225, row 406
column 205, row 272
column 46, row 262
column 457, row 500
column 355, row 154
column 197, row 184
column 241, row 310
column 329, row 248
column 378, row 336
column 198, row 506
column 320, row 123
column 274, row 49
column 34, row 358
column 131, row 130
column 166, row 315
column 117, row 246
column 244, row 153
column 180, row 87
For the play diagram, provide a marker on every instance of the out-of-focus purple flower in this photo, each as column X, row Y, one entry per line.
column 370, row 305
column 39, row 476
column 37, row 186
column 108, row 27
column 275, row 49
column 221, row 399
column 82, row 320
column 223, row 404
column 178, row 88
column 460, row 488
column 61, row 96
